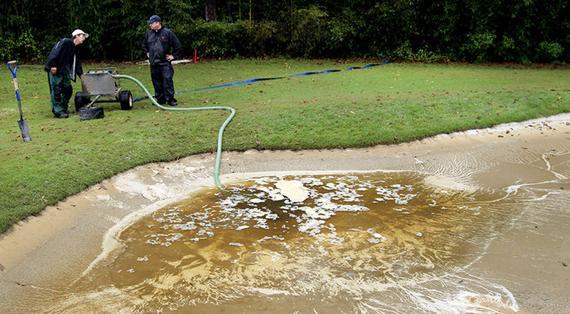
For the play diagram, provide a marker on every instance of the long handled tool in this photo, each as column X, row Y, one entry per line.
column 13, row 68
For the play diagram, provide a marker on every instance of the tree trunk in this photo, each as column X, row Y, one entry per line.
column 211, row 10
column 250, row 12
column 239, row 9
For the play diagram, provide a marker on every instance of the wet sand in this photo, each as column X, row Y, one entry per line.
column 42, row 256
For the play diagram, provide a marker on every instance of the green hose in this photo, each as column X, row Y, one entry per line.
column 220, row 132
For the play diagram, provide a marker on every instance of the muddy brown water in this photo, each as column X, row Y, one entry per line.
column 470, row 224
column 383, row 241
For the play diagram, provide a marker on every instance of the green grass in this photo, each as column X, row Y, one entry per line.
column 382, row 105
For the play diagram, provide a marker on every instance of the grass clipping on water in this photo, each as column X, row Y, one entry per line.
column 381, row 105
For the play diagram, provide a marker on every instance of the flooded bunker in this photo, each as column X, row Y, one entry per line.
column 471, row 223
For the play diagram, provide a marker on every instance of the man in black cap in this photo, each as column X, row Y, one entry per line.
column 63, row 65
column 161, row 47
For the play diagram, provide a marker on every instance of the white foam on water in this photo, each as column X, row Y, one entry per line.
column 293, row 190
column 106, row 300
column 463, row 293
column 269, row 292
column 545, row 158
column 448, row 183
column 130, row 183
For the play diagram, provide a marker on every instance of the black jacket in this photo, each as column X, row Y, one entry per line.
column 160, row 43
column 61, row 57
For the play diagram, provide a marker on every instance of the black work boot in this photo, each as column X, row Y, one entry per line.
column 172, row 102
column 160, row 100
column 62, row 115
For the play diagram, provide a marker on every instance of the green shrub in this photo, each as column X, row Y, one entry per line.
column 479, row 46
column 549, row 51
column 7, row 47
column 341, row 36
column 28, row 47
column 217, row 39
column 226, row 39
column 428, row 56
column 24, row 47
column 309, row 32
column 406, row 53
column 262, row 39
column 507, row 50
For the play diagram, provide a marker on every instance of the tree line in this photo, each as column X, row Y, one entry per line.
column 521, row 31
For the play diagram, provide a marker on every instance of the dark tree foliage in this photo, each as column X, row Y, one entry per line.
column 420, row 30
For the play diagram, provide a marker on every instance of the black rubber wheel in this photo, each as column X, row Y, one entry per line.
column 91, row 113
column 81, row 101
column 126, row 100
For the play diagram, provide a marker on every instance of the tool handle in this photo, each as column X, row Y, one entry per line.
column 12, row 67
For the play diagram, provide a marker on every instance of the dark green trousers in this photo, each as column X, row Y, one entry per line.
column 61, row 92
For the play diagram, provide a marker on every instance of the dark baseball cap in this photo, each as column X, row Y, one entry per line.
column 154, row 18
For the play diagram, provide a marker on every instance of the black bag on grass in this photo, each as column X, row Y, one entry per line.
column 91, row 113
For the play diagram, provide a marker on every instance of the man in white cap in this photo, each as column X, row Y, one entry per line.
column 63, row 65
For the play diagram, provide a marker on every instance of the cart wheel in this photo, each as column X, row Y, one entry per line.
column 80, row 101
column 126, row 100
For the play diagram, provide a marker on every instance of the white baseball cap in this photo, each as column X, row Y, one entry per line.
column 79, row 32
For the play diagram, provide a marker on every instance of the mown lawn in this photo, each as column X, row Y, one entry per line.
column 381, row 105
